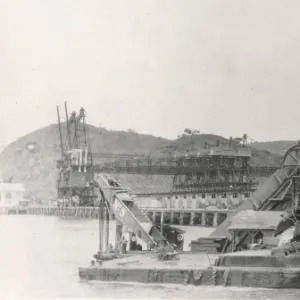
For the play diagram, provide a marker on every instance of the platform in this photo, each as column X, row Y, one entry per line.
column 195, row 269
column 149, row 260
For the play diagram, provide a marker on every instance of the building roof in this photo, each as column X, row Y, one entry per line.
column 11, row 187
column 256, row 220
column 244, row 152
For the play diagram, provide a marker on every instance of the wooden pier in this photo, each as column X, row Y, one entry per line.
column 12, row 210
column 75, row 212
column 200, row 217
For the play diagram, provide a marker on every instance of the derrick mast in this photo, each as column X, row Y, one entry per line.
column 76, row 162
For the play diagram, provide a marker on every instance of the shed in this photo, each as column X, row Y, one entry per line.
column 11, row 194
column 255, row 224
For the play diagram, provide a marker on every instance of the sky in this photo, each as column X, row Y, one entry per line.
column 226, row 67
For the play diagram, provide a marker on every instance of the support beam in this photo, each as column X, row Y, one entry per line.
column 60, row 133
column 181, row 218
column 215, row 222
column 203, row 219
column 107, row 217
column 171, row 218
column 118, row 235
column 68, row 127
column 154, row 217
column 192, row 218
column 161, row 222
column 101, row 226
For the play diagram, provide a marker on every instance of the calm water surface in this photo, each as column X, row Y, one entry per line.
column 40, row 256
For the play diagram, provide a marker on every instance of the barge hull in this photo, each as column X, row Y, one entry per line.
column 235, row 276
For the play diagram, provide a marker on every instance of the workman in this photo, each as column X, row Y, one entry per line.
column 133, row 242
column 124, row 244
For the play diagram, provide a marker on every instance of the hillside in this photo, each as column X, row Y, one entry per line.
column 38, row 170
column 276, row 147
column 264, row 158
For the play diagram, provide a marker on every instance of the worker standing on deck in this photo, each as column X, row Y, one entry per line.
column 180, row 242
column 133, row 242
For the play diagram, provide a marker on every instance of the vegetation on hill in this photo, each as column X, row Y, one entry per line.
column 37, row 169
column 264, row 158
column 275, row 147
column 190, row 143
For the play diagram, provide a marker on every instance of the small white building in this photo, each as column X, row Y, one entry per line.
column 11, row 194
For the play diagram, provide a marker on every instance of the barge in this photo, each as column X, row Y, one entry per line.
column 252, row 269
column 260, row 224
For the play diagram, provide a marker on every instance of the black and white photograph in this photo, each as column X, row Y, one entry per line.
column 150, row 149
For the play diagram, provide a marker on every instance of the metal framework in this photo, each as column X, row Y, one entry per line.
column 252, row 233
column 161, row 166
column 76, row 162
column 219, row 172
column 215, row 172
column 296, row 192
column 286, row 196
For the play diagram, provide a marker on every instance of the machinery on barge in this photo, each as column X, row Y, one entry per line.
column 278, row 195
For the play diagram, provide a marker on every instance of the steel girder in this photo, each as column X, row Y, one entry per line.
column 170, row 167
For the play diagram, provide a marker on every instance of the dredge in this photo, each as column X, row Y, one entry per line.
column 273, row 209
column 270, row 211
column 81, row 182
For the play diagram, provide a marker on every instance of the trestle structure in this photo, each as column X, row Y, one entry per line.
column 213, row 170
column 198, row 217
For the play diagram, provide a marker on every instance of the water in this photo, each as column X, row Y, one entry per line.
column 40, row 256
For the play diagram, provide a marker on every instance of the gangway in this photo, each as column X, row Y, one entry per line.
column 125, row 210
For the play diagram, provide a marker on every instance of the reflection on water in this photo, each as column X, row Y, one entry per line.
column 40, row 255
